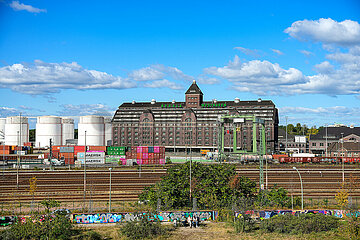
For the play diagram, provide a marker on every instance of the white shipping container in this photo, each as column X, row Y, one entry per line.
column 93, row 161
column 81, row 155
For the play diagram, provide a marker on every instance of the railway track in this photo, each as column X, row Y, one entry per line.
column 319, row 181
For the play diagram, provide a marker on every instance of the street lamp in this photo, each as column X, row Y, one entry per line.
column 302, row 192
column 342, row 156
column 110, row 192
column 85, row 172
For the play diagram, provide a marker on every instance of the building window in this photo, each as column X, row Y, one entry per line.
column 321, row 144
column 313, row 144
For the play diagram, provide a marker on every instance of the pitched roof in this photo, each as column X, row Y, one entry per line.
column 194, row 89
column 348, row 146
column 335, row 133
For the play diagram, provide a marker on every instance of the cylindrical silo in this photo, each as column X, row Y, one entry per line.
column 95, row 131
column 2, row 129
column 16, row 130
column 67, row 129
column 48, row 127
column 108, row 131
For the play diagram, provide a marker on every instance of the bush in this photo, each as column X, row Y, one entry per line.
column 351, row 228
column 306, row 223
column 56, row 226
column 143, row 228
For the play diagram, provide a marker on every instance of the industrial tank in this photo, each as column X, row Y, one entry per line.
column 48, row 127
column 2, row 129
column 108, row 131
column 16, row 130
column 67, row 129
column 95, row 131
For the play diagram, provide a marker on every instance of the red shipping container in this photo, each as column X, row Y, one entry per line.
column 145, row 149
column 97, row 148
column 69, row 161
column 79, row 148
column 133, row 149
column 156, row 149
column 6, row 152
column 162, row 155
column 139, row 156
column 162, row 149
column 151, row 155
column 139, row 149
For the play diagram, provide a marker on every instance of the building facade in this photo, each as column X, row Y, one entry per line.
column 319, row 144
column 192, row 123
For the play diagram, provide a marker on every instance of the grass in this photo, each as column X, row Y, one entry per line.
column 216, row 230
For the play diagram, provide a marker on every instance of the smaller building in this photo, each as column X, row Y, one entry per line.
column 345, row 149
column 291, row 143
column 331, row 135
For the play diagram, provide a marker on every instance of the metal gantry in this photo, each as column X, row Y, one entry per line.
column 261, row 151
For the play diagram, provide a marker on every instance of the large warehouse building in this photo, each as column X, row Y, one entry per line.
column 179, row 125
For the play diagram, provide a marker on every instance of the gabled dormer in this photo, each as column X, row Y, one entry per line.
column 193, row 96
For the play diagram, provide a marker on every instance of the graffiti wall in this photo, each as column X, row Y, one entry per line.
column 124, row 217
column 269, row 214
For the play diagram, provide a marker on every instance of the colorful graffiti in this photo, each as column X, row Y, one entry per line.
column 124, row 217
column 269, row 214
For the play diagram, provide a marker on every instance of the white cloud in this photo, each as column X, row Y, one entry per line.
column 260, row 77
column 266, row 78
column 324, row 67
column 146, row 74
column 8, row 111
column 163, row 83
column 208, row 80
column 326, row 31
column 306, row 53
column 247, row 51
column 86, row 109
column 45, row 78
column 277, row 51
column 158, row 72
column 17, row 6
column 321, row 115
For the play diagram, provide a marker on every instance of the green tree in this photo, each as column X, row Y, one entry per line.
column 49, row 204
column 210, row 185
column 32, row 133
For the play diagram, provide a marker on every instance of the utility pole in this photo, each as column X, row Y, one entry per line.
column 85, row 173
column 342, row 157
column 286, row 118
column 326, row 144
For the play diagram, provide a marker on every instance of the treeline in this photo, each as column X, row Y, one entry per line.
column 299, row 129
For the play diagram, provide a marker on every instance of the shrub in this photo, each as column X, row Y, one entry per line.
column 351, row 228
column 56, row 226
column 306, row 223
column 143, row 228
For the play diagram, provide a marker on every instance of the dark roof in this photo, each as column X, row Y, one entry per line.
column 335, row 132
column 194, row 89
column 349, row 146
column 228, row 104
column 282, row 135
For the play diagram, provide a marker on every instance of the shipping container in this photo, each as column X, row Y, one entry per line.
column 97, row 148
column 67, row 149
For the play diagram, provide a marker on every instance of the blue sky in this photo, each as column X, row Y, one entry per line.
column 87, row 57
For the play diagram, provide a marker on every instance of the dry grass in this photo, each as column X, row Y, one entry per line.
column 213, row 231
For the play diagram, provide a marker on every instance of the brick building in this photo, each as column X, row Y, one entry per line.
column 327, row 136
column 177, row 125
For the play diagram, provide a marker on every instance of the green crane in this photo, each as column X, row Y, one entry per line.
column 234, row 119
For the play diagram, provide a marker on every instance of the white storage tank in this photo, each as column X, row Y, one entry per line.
column 48, row 127
column 67, row 129
column 108, row 131
column 2, row 129
column 95, row 131
column 16, row 130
